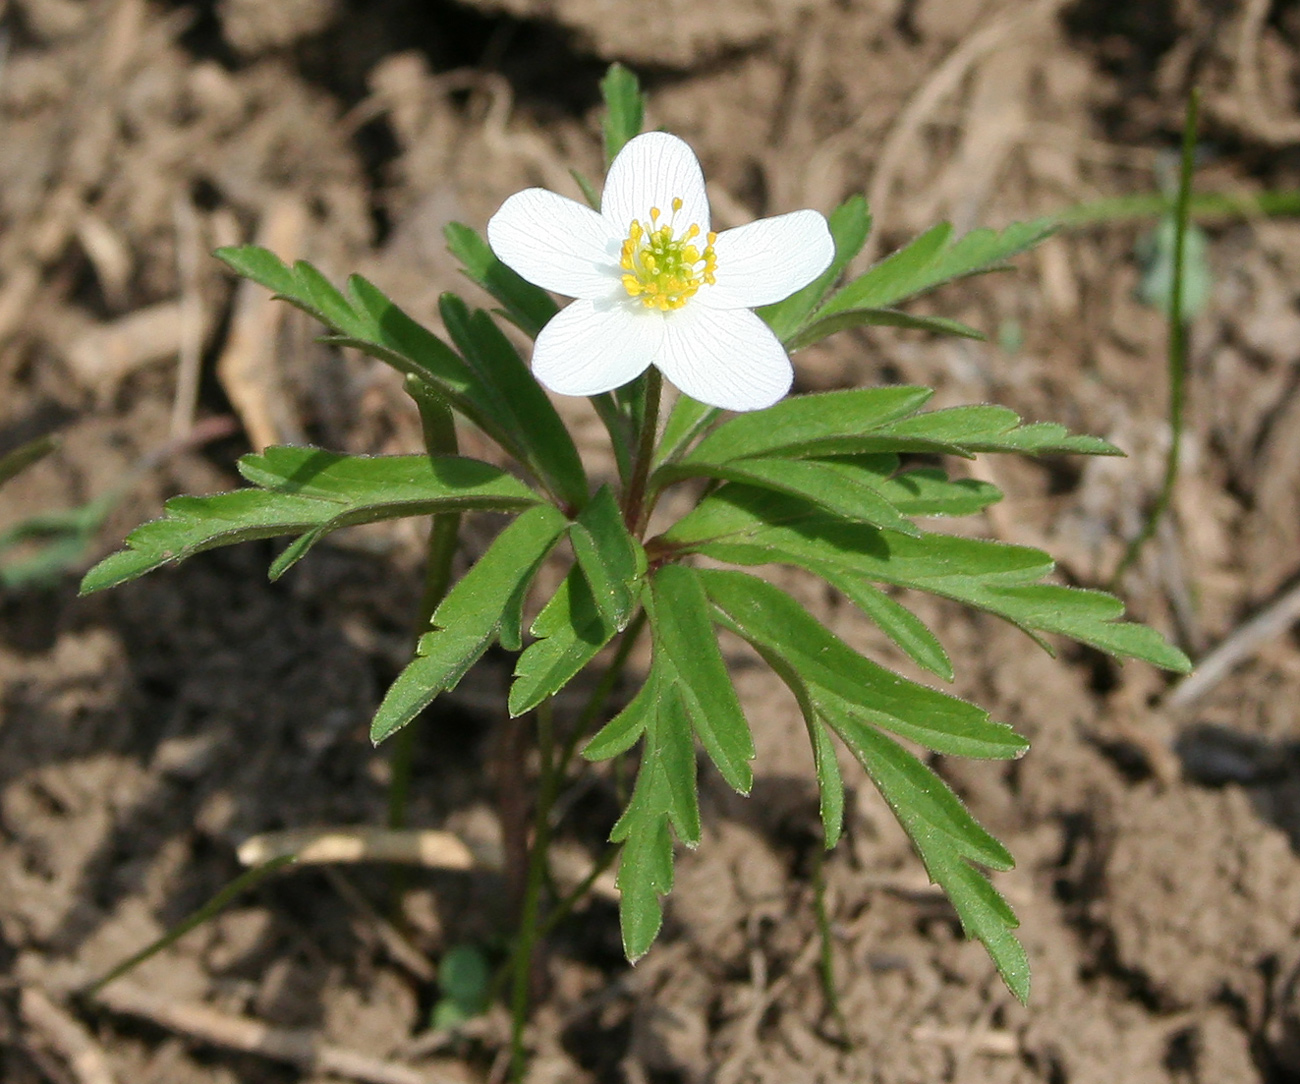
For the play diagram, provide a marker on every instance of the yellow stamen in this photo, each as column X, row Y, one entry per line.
column 664, row 270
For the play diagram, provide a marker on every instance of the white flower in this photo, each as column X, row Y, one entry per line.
column 654, row 285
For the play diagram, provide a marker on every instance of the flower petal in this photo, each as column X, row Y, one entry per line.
column 728, row 359
column 556, row 243
column 593, row 347
column 768, row 260
column 651, row 171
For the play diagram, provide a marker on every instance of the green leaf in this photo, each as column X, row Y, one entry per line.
column 820, row 328
column 850, row 223
column 621, row 732
column 310, row 492
column 570, row 631
column 841, row 486
column 948, row 839
column 468, row 619
column 368, row 321
column 933, row 259
column 22, row 457
column 923, row 802
column 743, row 525
column 830, row 783
column 465, row 985
column 624, row 109
column 895, row 620
column 806, row 425
column 686, row 650
column 527, row 306
column 839, row 689
column 645, row 872
column 930, row 492
column 665, row 793
column 519, row 398
column 838, row 679
column 610, row 558
column 882, row 421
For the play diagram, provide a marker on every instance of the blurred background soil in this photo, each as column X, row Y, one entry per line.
column 147, row 732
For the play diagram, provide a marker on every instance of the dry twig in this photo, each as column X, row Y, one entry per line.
column 294, row 1046
column 67, row 1036
column 427, row 847
column 1240, row 645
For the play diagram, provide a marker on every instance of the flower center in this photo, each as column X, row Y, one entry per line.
column 664, row 269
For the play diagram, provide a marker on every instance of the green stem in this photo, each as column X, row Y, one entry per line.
column 565, row 907
column 529, row 927
column 1177, row 345
column 827, row 960
column 634, row 508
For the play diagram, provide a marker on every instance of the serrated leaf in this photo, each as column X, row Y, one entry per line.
column 570, row 631
column 747, row 526
column 850, row 223
column 945, row 834
column 930, row 492
column 686, row 650
column 610, row 558
column 527, row 306
column 1046, row 438
column 310, row 492
column 922, row 801
column 948, row 839
column 367, row 320
column 932, row 260
column 821, row 327
column 645, row 873
column 625, row 729
column 671, row 741
column 844, row 487
column 984, row 915
column 895, row 620
column 840, row 680
column 467, row 620
column 624, row 109
column 823, row 424
column 830, row 783
column 518, row 398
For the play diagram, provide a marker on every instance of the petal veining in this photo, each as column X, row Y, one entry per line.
column 651, row 171
column 768, row 260
column 556, row 243
column 593, row 347
column 726, row 358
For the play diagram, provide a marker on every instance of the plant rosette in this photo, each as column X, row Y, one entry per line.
column 655, row 286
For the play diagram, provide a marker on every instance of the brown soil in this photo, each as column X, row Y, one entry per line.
column 149, row 731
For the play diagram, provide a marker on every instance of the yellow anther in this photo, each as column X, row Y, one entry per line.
column 664, row 270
